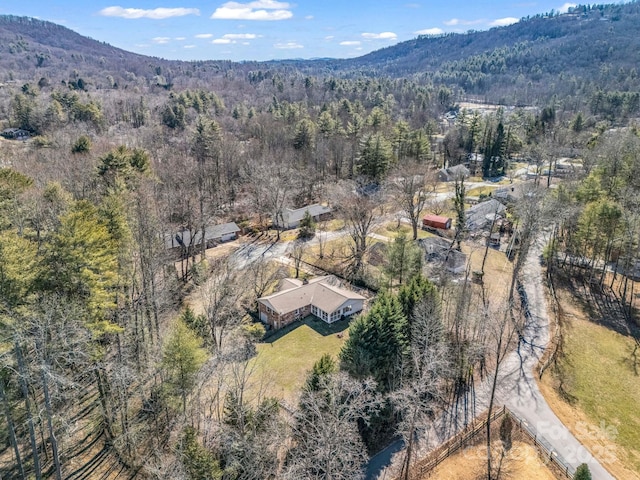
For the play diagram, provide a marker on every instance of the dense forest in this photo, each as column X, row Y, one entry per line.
column 104, row 370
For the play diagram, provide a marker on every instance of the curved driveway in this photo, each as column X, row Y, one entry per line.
column 517, row 386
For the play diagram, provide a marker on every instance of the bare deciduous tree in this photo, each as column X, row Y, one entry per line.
column 325, row 430
column 410, row 189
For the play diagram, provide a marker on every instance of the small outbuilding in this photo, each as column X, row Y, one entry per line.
column 436, row 221
column 15, row 134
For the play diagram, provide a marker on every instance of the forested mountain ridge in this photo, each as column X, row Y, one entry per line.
column 573, row 54
column 598, row 45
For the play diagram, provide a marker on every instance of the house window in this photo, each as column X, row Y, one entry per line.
column 347, row 309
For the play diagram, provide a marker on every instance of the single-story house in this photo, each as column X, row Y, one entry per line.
column 15, row 134
column 453, row 173
column 291, row 218
column 439, row 252
column 213, row 235
column 320, row 296
column 480, row 215
column 436, row 221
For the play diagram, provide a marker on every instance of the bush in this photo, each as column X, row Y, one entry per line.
column 307, row 227
column 82, row 145
column 582, row 473
column 41, row 141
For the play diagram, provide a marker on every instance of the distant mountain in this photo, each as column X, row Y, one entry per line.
column 596, row 44
column 574, row 54
column 31, row 49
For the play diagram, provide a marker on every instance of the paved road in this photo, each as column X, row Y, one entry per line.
column 519, row 390
column 517, row 387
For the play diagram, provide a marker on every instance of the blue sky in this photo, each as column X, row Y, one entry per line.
column 271, row 29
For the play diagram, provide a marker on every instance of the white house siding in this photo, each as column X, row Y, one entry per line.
column 228, row 237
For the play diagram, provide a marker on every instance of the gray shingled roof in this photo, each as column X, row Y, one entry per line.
column 212, row 232
column 477, row 216
column 317, row 292
column 314, row 210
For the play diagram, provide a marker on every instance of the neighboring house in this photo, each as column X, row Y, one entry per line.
column 439, row 253
column 482, row 214
column 453, row 173
column 321, row 296
column 213, row 235
column 289, row 218
column 436, row 221
column 15, row 134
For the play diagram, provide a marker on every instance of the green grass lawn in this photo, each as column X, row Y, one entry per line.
column 391, row 230
column 477, row 191
column 602, row 376
column 285, row 357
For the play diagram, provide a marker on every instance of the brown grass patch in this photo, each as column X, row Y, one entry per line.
column 522, row 462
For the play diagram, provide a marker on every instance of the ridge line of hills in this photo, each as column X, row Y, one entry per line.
column 570, row 55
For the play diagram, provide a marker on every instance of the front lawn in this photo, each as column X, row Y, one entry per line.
column 286, row 356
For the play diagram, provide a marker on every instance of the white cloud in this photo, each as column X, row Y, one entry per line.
column 288, row 45
column 503, row 22
column 189, row 46
column 160, row 40
column 565, row 8
column 350, row 43
column 429, row 31
column 204, row 35
column 233, row 37
column 329, row 37
column 257, row 10
column 155, row 14
column 380, row 36
column 240, row 36
column 180, row 39
column 458, row 21
column 309, row 17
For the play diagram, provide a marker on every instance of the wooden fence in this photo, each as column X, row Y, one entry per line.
column 465, row 438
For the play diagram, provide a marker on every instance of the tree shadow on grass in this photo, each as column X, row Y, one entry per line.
column 319, row 326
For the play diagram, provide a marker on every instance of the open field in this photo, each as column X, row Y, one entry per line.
column 595, row 389
column 523, row 462
column 285, row 358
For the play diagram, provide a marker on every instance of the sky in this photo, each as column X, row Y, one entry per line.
column 271, row 29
